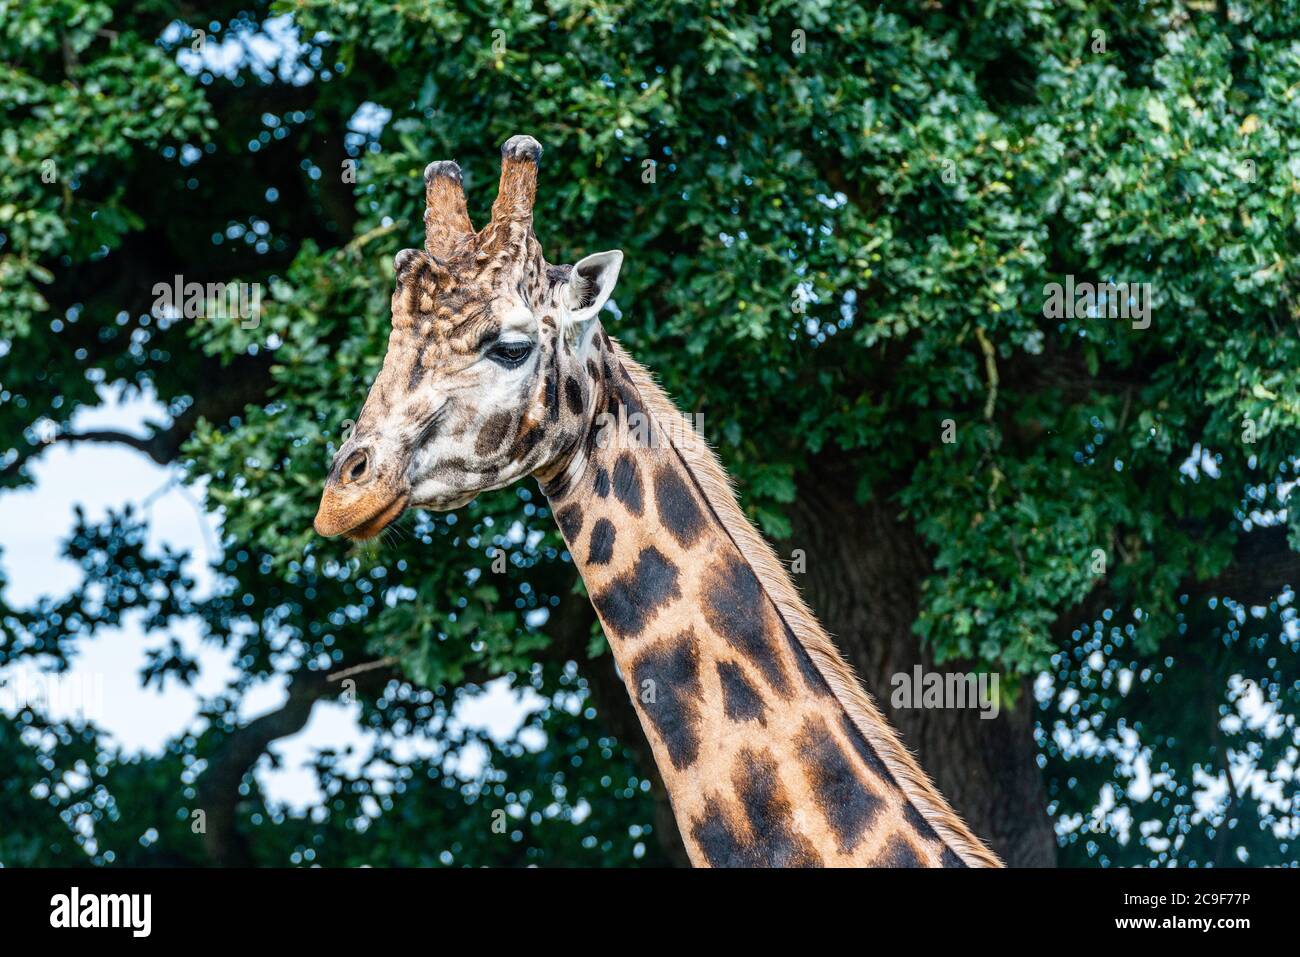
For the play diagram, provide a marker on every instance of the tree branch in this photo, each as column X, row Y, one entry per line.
column 218, row 793
column 1263, row 564
column 243, row 381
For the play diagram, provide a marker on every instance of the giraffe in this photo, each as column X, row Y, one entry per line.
column 498, row 367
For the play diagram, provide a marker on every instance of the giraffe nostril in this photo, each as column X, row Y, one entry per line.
column 356, row 468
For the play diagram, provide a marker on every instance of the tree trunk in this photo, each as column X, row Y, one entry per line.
column 864, row 569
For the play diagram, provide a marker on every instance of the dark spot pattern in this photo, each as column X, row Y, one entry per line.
column 564, row 444
column 627, row 484
column 897, row 853
column 633, row 598
column 459, row 466
column 771, row 818
column 552, row 400
column 527, row 440
column 570, row 521
column 866, row 752
column 845, row 799
column 600, row 485
column 920, row 824
column 639, row 423
column 417, row 368
column 811, row 676
column 737, row 609
column 601, row 549
column 767, row 838
column 666, row 682
column 678, row 510
column 573, row 395
column 740, row 699
column 494, row 433
column 949, row 859
column 589, row 440
column 627, row 391
column 719, row 842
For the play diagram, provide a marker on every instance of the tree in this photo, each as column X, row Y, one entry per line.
column 850, row 233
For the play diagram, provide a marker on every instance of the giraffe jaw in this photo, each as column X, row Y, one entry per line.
column 445, row 504
column 373, row 526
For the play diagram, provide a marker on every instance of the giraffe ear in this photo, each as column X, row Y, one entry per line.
column 591, row 283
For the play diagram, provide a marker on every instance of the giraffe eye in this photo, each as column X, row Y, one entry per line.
column 511, row 354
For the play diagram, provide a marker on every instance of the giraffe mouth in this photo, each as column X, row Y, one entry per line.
column 370, row 527
column 338, row 517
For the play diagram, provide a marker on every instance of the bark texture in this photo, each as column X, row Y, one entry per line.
column 864, row 569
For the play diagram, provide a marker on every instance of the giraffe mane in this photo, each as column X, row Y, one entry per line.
column 715, row 485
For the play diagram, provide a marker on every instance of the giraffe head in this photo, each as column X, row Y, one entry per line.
column 489, row 374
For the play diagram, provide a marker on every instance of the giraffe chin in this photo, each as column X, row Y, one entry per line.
column 378, row 522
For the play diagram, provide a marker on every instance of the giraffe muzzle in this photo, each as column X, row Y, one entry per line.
column 357, row 518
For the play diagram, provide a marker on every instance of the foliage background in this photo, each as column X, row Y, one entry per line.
column 845, row 244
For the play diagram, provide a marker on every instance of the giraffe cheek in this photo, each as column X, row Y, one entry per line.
column 494, row 433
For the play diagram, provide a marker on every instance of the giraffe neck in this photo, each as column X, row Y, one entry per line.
column 763, row 761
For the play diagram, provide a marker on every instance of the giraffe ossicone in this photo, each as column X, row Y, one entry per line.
column 497, row 368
